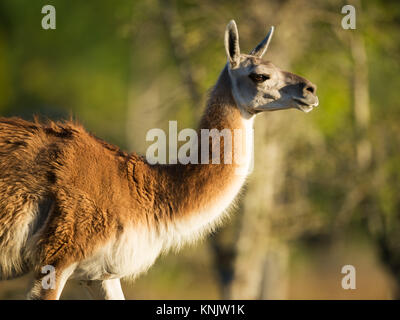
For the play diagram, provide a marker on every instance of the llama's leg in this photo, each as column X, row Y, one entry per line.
column 105, row 289
column 49, row 283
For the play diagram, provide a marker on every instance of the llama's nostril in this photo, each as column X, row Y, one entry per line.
column 311, row 89
column 308, row 87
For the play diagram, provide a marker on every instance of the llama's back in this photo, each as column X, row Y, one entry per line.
column 24, row 198
column 55, row 165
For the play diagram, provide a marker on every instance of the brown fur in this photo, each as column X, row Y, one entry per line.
column 94, row 188
column 81, row 205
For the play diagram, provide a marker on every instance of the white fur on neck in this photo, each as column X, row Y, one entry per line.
column 196, row 224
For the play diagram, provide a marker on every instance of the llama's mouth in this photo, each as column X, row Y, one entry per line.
column 305, row 105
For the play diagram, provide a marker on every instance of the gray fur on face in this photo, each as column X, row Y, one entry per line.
column 259, row 85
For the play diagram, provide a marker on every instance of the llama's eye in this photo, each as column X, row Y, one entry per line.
column 258, row 77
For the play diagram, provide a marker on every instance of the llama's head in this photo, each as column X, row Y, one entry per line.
column 258, row 85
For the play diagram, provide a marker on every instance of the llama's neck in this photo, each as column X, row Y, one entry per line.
column 191, row 199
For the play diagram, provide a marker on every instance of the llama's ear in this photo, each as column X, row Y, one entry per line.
column 232, row 44
column 262, row 47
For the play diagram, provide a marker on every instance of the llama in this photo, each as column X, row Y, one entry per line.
column 97, row 214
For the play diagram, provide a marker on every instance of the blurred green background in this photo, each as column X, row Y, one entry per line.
column 325, row 189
